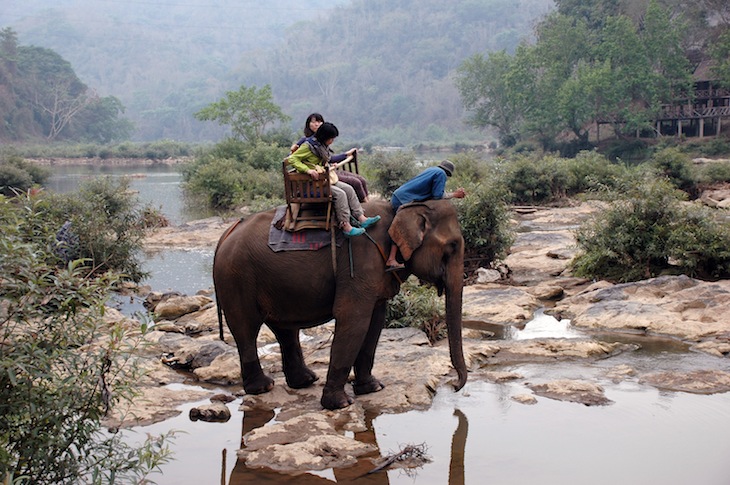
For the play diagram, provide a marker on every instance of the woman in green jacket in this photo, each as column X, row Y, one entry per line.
column 311, row 157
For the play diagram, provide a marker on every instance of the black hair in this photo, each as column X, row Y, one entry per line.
column 326, row 131
column 314, row 116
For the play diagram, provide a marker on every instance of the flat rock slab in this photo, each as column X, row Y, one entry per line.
column 696, row 382
column 581, row 392
column 308, row 441
column 676, row 306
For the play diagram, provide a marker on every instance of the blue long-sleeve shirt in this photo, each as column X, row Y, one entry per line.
column 429, row 184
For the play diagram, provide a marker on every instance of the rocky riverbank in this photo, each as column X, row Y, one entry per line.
column 608, row 322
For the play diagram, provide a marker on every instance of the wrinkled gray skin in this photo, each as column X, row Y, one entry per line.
column 298, row 289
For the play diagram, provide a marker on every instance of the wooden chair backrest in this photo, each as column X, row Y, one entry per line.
column 309, row 202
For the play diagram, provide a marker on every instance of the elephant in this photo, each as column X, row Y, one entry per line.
column 291, row 290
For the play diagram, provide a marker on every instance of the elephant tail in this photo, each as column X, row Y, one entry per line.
column 217, row 303
column 220, row 318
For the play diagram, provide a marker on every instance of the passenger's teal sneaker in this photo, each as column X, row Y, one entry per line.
column 355, row 231
column 369, row 222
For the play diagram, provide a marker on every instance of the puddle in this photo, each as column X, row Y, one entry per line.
column 541, row 326
column 480, row 435
column 183, row 271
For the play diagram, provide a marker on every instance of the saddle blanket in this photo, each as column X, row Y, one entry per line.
column 305, row 240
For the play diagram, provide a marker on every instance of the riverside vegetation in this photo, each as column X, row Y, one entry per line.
column 63, row 365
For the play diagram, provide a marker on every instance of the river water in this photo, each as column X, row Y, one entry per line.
column 479, row 435
column 159, row 186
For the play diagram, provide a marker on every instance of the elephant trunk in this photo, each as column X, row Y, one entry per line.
column 454, row 290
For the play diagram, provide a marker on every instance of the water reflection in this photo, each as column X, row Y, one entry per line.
column 647, row 436
column 360, row 472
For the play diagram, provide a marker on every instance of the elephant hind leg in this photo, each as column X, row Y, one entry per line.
column 298, row 375
column 244, row 325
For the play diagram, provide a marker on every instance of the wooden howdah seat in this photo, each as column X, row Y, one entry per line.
column 308, row 201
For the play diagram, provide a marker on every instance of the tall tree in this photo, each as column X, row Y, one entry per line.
column 247, row 111
column 51, row 87
column 581, row 70
column 487, row 93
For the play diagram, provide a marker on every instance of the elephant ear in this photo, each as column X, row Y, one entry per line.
column 408, row 229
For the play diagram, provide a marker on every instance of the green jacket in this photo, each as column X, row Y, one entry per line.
column 304, row 159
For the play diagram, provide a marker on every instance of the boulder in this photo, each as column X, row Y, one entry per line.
column 215, row 412
column 178, row 306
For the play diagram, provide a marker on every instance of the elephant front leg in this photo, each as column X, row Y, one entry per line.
column 298, row 375
column 350, row 334
column 365, row 382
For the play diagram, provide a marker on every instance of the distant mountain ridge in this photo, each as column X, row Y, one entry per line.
column 371, row 65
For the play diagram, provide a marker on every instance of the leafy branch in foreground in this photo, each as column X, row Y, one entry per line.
column 62, row 368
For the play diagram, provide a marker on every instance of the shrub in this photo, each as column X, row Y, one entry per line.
column 715, row 172
column 534, row 180
column 417, row 306
column 392, row 171
column 485, row 225
column 593, row 172
column 676, row 166
column 236, row 172
column 17, row 175
column 61, row 369
column 218, row 181
column 470, row 170
column 647, row 232
column 105, row 226
column 264, row 156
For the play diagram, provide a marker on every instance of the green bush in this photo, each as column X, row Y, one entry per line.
column 485, row 225
column 62, row 368
column 676, row 166
column 717, row 146
column 265, row 156
column 592, row 172
column 470, row 170
column 236, row 172
column 391, row 171
column 155, row 150
column 715, row 172
column 218, row 181
column 17, row 175
column 536, row 180
column 107, row 225
column 648, row 232
column 549, row 179
column 417, row 306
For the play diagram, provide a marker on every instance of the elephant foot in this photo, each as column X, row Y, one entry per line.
column 367, row 387
column 301, row 379
column 258, row 385
column 335, row 400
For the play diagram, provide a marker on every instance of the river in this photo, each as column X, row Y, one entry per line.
column 158, row 185
column 478, row 435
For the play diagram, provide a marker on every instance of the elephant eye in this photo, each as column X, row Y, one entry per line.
column 452, row 247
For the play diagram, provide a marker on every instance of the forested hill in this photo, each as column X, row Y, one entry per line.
column 164, row 59
column 382, row 69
